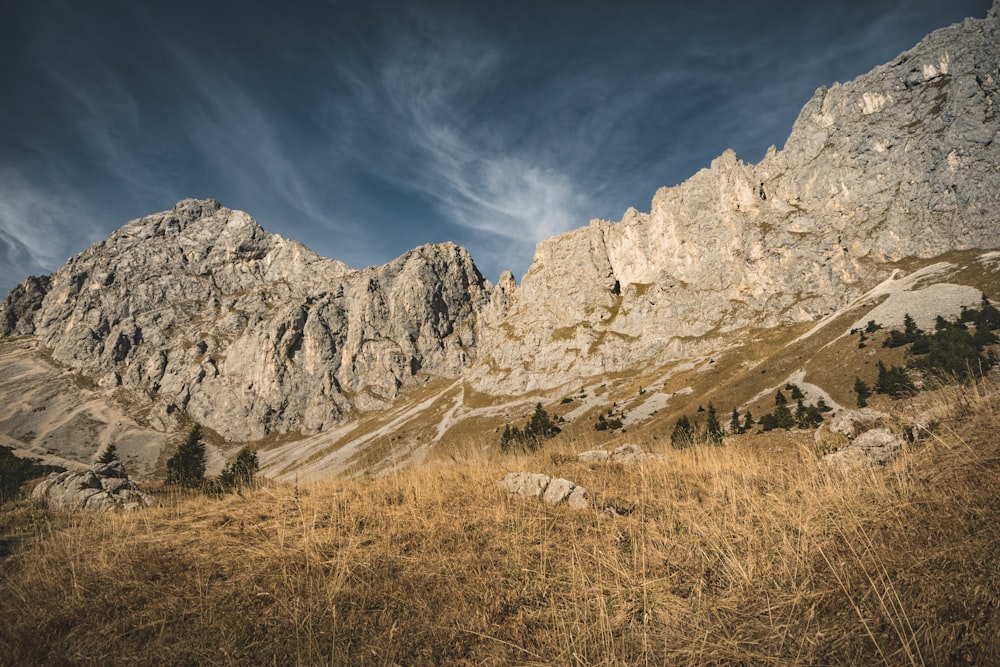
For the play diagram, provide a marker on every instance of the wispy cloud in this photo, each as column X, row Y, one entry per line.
column 39, row 228
column 429, row 94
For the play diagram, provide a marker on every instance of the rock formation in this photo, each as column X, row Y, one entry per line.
column 203, row 311
column 627, row 453
column 103, row 488
column 900, row 162
column 553, row 491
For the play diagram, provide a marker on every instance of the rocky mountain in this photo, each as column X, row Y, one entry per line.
column 205, row 313
column 901, row 162
column 198, row 313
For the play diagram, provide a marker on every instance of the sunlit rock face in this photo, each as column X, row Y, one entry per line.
column 200, row 310
column 902, row 161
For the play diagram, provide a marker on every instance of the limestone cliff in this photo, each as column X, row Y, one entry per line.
column 903, row 161
column 201, row 310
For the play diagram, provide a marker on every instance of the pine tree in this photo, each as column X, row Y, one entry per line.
column 506, row 439
column 240, row 472
column 541, row 425
column 187, row 466
column 863, row 391
column 779, row 399
column 734, row 422
column 683, row 432
column 712, row 427
column 108, row 455
column 747, row 421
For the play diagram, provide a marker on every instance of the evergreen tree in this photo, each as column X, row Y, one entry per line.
column 779, row 399
column 108, row 455
column 783, row 416
column 734, row 422
column 796, row 392
column 894, row 381
column 747, row 421
column 683, row 433
column 187, row 466
column 538, row 428
column 863, row 391
column 989, row 316
column 712, row 427
column 540, row 425
column 240, row 472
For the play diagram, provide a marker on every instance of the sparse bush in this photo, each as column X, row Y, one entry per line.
column 607, row 424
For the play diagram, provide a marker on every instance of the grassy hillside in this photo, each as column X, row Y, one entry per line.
column 739, row 553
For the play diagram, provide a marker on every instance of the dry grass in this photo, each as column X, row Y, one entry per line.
column 743, row 553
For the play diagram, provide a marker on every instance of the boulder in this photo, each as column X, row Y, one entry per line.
column 875, row 447
column 627, row 453
column 854, row 422
column 552, row 491
column 102, row 488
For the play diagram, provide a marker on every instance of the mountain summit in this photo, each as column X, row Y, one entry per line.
column 246, row 332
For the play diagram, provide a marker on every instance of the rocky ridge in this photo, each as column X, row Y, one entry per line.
column 901, row 162
column 202, row 311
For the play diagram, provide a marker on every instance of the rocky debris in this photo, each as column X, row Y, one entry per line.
column 204, row 312
column 854, row 422
column 627, row 453
column 102, row 488
column 899, row 162
column 875, row 447
column 547, row 489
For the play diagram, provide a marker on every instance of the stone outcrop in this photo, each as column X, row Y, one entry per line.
column 900, row 162
column 854, row 422
column 553, row 491
column 103, row 488
column 628, row 453
column 870, row 442
column 201, row 310
column 871, row 448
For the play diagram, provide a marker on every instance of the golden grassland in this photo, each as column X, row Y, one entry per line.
column 743, row 553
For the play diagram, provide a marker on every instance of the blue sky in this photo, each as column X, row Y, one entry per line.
column 364, row 129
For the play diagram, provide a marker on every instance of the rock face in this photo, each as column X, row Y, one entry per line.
column 103, row 488
column 202, row 310
column 899, row 162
